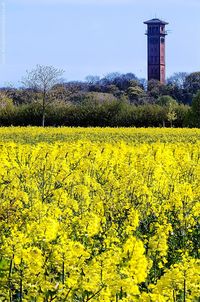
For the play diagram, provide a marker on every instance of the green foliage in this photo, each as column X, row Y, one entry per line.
column 194, row 115
column 157, row 89
column 171, row 114
column 102, row 112
column 28, row 114
column 165, row 100
column 6, row 110
column 192, row 82
column 134, row 93
column 182, row 112
column 169, row 106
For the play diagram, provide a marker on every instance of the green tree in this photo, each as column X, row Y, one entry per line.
column 192, row 82
column 135, row 92
column 170, row 105
column 171, row 114
column 195, row 111
column 157, row 89
column 165, row 100
column 6, row 110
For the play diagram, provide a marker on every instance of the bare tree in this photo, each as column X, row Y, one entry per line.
column 42, row 78
column 92, row 79
column 178, row 79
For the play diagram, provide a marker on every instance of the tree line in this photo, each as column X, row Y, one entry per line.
column 114, row 100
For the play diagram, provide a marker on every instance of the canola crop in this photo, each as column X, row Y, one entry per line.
column 93, row 219
column 35, row 135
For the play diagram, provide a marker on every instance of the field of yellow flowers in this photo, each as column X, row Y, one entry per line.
column 100, row 215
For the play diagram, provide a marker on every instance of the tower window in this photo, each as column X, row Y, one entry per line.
column 162, row 40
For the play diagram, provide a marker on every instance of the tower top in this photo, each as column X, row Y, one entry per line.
column 156, row 21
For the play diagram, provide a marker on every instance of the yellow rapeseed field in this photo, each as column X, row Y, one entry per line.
column 100, row 215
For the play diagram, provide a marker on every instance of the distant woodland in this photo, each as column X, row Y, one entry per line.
column 117, row 100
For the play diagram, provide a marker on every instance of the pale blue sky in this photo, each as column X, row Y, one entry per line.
column 96, row 36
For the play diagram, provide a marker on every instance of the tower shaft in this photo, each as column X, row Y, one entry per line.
column 156, row 34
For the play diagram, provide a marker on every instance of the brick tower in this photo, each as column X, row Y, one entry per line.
column 156, row 49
